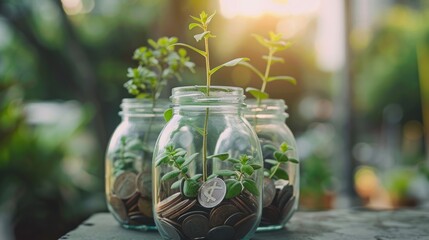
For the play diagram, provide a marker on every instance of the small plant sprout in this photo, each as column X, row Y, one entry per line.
column 176, row 158
column 158, row 63
column 124, row 157
column 202, row 22
column 274, row 44
column 280, row 157
column 239, row 179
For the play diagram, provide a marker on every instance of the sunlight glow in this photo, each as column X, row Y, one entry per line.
column 257, row 8
column 73, row 7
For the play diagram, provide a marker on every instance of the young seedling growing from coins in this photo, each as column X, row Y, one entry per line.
column 212, row 202
column 131, row 148
column 274, row 44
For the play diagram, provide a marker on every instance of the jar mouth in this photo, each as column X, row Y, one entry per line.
column 143, row 107
column 197, row 95
column 265, row 108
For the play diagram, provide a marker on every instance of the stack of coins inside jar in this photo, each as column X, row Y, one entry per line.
column 131, row 198
column 209, row 216
column 277, row 200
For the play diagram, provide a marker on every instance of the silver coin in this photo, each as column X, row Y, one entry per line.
column 269, row 192
column 212, row 192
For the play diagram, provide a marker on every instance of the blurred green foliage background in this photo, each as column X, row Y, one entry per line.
column 62, row 67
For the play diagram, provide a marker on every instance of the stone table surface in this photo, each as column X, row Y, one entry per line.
column 347, row 224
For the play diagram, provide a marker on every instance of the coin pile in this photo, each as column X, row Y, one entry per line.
column 184, row 218
column 277, row 203
column 131, row 199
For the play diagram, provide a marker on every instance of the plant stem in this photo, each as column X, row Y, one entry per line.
column 206, row 119
column 267, row 69
column 274, row 172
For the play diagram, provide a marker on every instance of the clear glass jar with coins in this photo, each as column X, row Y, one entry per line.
column 207, row 168
column 129, row 163
column 281, row 165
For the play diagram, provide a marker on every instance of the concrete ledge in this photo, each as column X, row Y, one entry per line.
column 352, row 224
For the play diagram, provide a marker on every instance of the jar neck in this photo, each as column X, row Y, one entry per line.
column 142, row 108
column 267, row 109
column 221, row 99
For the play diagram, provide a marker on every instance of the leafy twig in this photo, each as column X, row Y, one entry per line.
column 274, row 44
column 280, row 158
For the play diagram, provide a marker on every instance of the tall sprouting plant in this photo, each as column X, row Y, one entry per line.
column 274, row 44
column 202, row 22
column 158, row 63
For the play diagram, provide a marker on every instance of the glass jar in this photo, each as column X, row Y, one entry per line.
column 281, row 167
column 129, row 163
column 207, row 168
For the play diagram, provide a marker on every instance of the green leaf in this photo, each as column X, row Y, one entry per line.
column 269, row 148
column 202, row 53
column 257, row 93
column 280, row 173
column 168, row 114
column 251, row 67
column 282, row 78
column 221, row 156
column 200, row 36
column 170, row 175
column 196, row 177
column 163, row 158
column 271, row 161
column 233, row 160
column 255, row 166
column 231, row 63
column 209, row 19
column 280, row 157
column 225, row 173
column 293, row 160
column 250, row 185
column 197, row 19
column 261, row 40
column 247, row 169
column 180, row 160
column 189, row 159
column 193, row 25
column 152, row 43
column 284, row 147
column 233, row 188
column 176, row 184
column 190, row 188
column 180, row 152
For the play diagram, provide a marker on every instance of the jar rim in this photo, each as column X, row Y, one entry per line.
column 266, row 108
column 143, row 107
column 196, row 95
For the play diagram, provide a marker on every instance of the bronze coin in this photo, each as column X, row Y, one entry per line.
column 244, row 226
column 118, row 207
column 271, row 214
column 125, row 185
column 145, row 207
column 132, row 201
column 212, row 192
column 276, row 198
column 168, row 230
column 288, row 207
column 183, row 210
column 269, row 192
column 219, row 214
column 195, row 226
column 223, row 232
column 247, row 203
column 185, row 215
column 285, row 194
column 176, row 210
column 239, row 205
column 234, row 218
column 144, row 184
column 171, row 200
